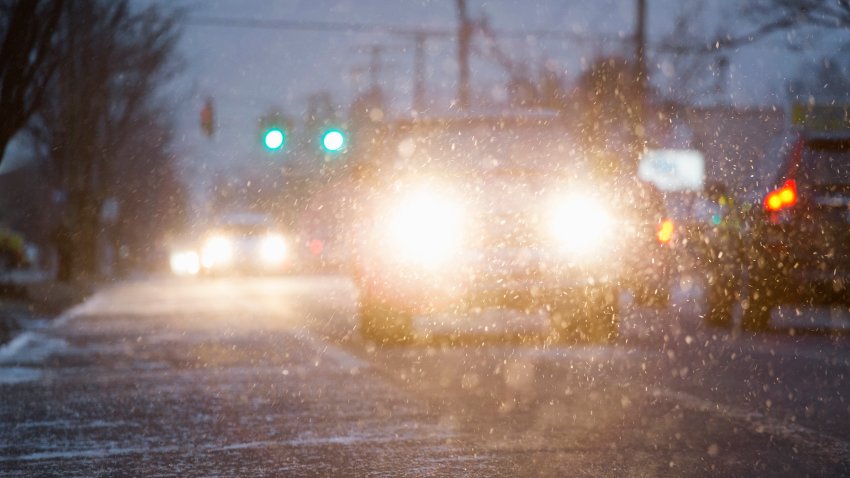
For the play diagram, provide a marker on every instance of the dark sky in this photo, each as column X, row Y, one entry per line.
column 249, row 71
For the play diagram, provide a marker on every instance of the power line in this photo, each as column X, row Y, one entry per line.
column 312, row 26
column 448, row 33
column 356, row 27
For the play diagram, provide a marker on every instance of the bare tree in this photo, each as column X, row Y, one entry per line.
column 773, row 15
column 694, row 59
column 103, row 104
column 27, row 60
column 759, row 19
column 606, row 121
column 828, row 78
column 756, row 20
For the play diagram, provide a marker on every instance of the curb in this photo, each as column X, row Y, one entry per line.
column 21, row 304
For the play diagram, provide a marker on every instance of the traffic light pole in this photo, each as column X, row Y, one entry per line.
column 639, row 126
column 464, row 37
column 419, row 39
column 640, row 66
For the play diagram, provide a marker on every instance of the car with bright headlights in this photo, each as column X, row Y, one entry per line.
column 243, row 242
column 501, row 212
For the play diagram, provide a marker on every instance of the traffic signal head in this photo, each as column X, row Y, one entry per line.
column 207, row 118
column 274, row 139
column 333, row 141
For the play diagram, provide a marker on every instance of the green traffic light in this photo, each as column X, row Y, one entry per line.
column 333, row 140
column 274, row 138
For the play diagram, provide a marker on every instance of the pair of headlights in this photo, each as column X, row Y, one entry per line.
column 429, row 228
column 218, row 251
column 185, row 263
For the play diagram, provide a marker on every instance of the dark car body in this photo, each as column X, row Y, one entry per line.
column 803, row 247
column 796, row 248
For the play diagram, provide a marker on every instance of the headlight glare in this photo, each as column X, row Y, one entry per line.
column 273, row 249
column 185, row 263
column 425, row 228
column 581, row 224
column 217, row 251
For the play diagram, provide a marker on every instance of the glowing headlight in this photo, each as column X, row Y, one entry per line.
column 581, row 224
column 273, row 249
column 425, row 228
column 185, row 263
column 217, row 251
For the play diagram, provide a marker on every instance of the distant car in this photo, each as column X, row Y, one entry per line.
column 481, row 212
column 183, row 260
column 797, row 247
column 245, row 242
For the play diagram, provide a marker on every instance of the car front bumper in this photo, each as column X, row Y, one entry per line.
column 487, row 280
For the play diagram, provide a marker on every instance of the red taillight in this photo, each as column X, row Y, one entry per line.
column 665, row 231
column 782, row 198
column 316, row 246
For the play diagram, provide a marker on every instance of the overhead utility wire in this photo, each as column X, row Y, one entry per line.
column 733, row 43
column 354, row 27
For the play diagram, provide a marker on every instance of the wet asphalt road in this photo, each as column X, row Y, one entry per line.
column 255, row 377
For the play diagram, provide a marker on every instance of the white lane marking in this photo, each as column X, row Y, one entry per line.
column 13, row 375
column 88, row 453
column 834, row 448
column 307, row 440
column 345, row 440
column 76, row 425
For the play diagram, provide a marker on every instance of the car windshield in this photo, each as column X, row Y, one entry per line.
column 428, row 238
column 246, row 230
column 541, row 146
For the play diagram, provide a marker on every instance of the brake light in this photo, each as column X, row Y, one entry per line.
column 782, row 198
column 665, row 231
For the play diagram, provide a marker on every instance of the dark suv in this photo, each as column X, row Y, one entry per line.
column 797, row 245
column 476, row 212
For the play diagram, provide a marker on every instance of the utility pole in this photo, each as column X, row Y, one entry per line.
column 464, row 36
column 640, row 68
column 419, row 39
column 375, row 64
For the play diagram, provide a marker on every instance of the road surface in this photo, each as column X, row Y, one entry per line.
column 269, row 377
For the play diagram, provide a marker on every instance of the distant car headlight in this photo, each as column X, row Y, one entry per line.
column 581, row 225
column 273, row 249
column 217, row 251
column 185, row 263
column 425, row 228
